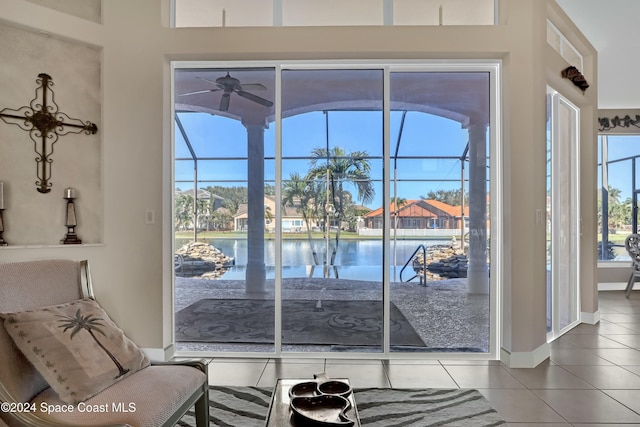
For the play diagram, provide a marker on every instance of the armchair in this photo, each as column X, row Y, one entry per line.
column 632, row 245
column 156, row 395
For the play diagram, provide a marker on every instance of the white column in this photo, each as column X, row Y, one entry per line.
column 256, row 270
column 478, row 270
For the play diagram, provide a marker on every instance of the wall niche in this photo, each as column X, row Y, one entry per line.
column 31, row 217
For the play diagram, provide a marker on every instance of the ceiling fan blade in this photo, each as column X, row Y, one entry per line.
column 198, row 92
column 254, row 98
column 212, row 82
column 253, row 86
column 224, row 101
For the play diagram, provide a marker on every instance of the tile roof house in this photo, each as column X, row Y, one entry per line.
column 419, row 214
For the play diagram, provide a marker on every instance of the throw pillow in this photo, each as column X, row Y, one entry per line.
column 75, row 346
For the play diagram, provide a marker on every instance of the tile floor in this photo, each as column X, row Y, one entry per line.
column 592, row 378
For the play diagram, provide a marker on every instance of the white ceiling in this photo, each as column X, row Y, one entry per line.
column 613, row 28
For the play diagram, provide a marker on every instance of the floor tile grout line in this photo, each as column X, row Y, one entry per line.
column 621, row 403
column 533, row 391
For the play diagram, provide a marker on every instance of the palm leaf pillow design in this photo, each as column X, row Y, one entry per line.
column 76, row 347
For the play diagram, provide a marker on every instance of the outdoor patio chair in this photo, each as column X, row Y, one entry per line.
column 632, row 244
column 46, row 357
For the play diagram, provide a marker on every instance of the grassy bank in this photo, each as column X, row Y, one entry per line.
column 346, row 235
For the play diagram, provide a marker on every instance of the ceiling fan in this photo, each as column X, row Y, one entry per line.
column 229, row 85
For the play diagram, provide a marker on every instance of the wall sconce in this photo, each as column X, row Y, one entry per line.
column 71, row 221
column 573, row 74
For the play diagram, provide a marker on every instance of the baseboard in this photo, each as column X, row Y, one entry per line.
column 613, row 286
column 590, row 318
column 525, row 359
column 160, row 354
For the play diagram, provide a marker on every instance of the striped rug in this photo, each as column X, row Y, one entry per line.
column 248, row 407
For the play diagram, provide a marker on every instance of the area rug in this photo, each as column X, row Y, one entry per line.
column 249, row 406
column 328, row 322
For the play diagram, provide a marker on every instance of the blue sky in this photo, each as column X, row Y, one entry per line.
column 622, row 146
column 423, row 135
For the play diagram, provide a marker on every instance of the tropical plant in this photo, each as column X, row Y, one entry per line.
column 221, row 219
column 302, row 194
column 203, row 208
column 90, row 324
column 183, row 211
column 268, row 216
column 233, row 197
column 341, row 168
column 398, row 204
column 450, row 197
column 269, row 190
column 352, row 214
column 619, row 214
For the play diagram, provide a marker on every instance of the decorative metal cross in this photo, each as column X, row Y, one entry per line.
column 45, row 124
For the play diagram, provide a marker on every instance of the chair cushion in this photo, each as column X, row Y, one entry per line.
column 75, row 346
column 26, row 285
column 147, row 398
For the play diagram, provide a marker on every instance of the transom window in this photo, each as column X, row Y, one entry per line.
column 267, row 13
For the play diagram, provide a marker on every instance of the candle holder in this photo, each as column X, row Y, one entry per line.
column 2, row 241
column 71, row 221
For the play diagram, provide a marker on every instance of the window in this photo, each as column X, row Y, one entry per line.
column 267, row 13
column 559, row 42
column 619, row 186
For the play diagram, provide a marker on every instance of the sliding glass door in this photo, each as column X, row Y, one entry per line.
column 348, row 207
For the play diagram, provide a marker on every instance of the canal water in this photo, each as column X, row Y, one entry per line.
column 355, row 259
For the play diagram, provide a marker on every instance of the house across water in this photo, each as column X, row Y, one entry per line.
column 420, row 214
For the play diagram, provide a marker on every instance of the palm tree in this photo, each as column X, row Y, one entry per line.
column 90, row 324
column 614, row 195
column 183, row 211
column 398, row 204
column 339, row 168
column 300, row 194
column 268, row 216
column 203, row 208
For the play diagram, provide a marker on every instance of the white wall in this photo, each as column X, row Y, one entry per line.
column 87, row 9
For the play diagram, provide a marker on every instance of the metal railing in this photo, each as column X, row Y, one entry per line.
column 423, row 274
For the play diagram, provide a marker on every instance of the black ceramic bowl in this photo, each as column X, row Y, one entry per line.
column 335, row 387
column 324, row 410
column 304, row 389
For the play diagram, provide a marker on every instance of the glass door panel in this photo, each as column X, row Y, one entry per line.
column 224, row 206
column 440, row 157
column 548, row 216
column 332, row 162
column 565, row 219
column 562, row 216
